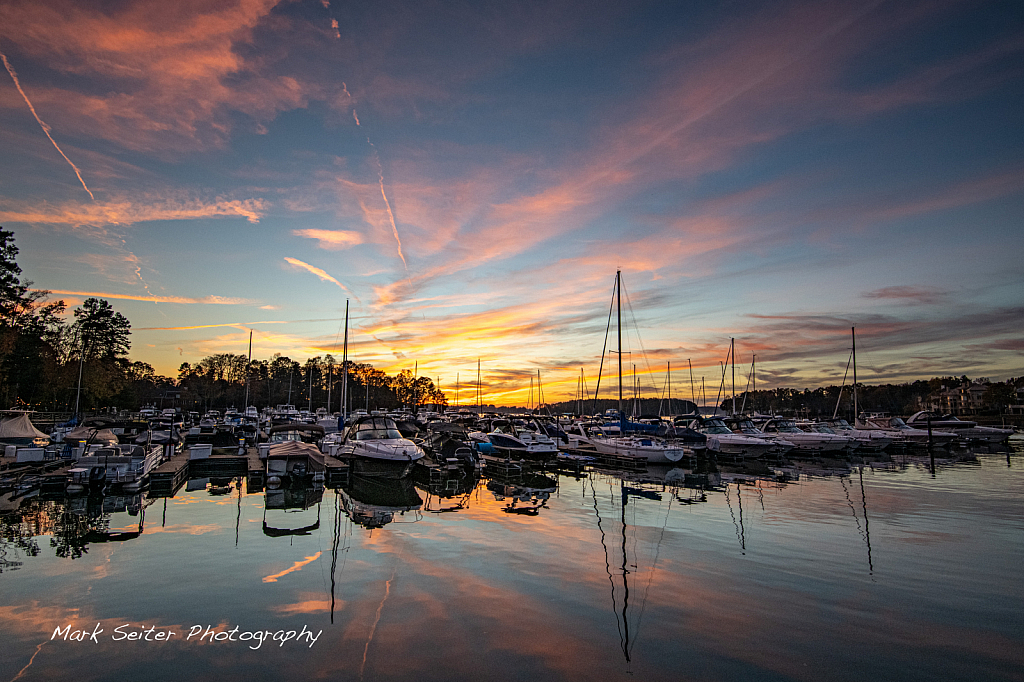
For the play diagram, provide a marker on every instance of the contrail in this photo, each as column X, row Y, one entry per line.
column 315, row 270
column 373, row 628
column 45, row 127
column 380, row 176
column 391, row 216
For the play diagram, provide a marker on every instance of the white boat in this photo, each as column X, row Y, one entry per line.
column 377, row 447
column 722, row 441
column 651, row 449
column 869, row 440
column 126, row 465
column 897, row 426
column 967, row 430
column 804, row 442
column 514, row 441
column 744, row 426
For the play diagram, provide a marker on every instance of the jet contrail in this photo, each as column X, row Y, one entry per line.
column 45, row 127
column 391, row 216
column 380, row 176
column 315, row 270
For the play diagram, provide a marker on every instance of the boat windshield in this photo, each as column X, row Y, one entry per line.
column 715, row 426
column 786, row 426
column 842, row 424
column 378, row 428
column 898, row 423
column 747, row 426
column 824, row 428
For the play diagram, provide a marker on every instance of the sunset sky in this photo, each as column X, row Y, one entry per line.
column 470, row 175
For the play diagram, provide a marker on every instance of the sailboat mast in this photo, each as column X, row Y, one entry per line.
column 618, row 326
column 732, row 351
column 247, row 366
column 853, row 334
column 344, row 363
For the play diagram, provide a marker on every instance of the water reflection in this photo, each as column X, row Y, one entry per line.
column 292, row 511
column 604, row 574
column 523, row 492
column 373, row 502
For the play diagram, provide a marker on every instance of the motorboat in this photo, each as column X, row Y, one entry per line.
column 965, row 429
column 376, row 447
column 803, row 441
column 897, row 426
column 745, row 427
column 869, row 440
column 127, row 465
column 722, row 440
column 516, row 441
column 646, row 448
column 294, row 462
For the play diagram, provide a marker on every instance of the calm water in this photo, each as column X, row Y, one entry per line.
column 884, row 572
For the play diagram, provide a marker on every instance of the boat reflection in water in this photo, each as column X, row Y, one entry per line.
column 292, row 511
column 446, row 492
column 374, row 502
column 523, row 492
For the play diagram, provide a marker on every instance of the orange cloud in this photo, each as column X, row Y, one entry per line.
column 332, row 239
column 130, row 212
column 206, row 300
column 297, row 566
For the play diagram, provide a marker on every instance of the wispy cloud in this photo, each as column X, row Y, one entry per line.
column 128, row 212
column 921, row 295
column 333, row 240
column 205, row 300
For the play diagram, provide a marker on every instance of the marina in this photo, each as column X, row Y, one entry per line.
column 837, row 567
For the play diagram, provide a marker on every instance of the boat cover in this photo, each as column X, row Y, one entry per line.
column 295, row 448
column 91, row 434
column 19, row 428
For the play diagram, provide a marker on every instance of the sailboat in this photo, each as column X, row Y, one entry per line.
column 640, row 447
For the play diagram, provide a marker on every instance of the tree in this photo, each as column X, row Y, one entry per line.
column 102, row 332
column 31, row 331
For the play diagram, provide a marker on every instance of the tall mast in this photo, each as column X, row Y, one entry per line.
column 248, row 364
column 853, row 334
column 693, row 388
column 478, row 392
column 732, row 351
column 344, row 363
column 618, row 328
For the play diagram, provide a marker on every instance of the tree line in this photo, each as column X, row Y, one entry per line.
column 45, row 355
column 231, row 380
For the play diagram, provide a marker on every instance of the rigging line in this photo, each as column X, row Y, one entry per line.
column 840, row 399
column 640, row 342
column 728, row 502
column 654, row 566
column 604, row 349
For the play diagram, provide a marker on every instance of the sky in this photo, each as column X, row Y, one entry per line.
column 470, row 176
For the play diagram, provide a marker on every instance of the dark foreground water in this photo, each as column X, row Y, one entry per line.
column 875, row 573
